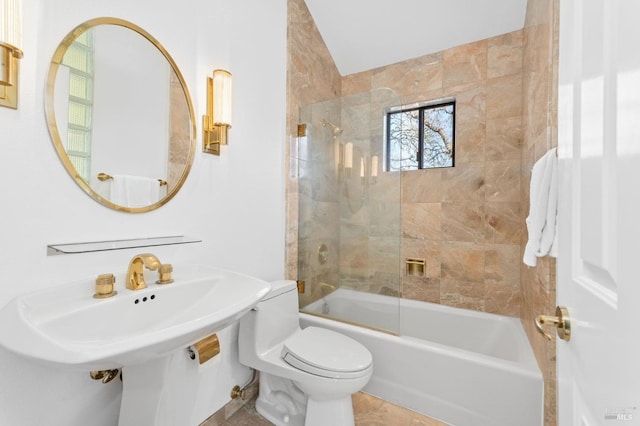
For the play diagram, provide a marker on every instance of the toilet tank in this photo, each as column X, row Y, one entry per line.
column 273, row 319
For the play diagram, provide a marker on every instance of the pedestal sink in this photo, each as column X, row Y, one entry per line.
column 137, row 331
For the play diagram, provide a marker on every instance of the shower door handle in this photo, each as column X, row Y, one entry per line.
column 561, row 321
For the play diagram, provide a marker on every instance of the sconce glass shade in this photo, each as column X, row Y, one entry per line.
column 374, row 166
column 11, row 20
column 222, row 97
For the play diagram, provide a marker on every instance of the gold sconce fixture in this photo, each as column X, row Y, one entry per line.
column 217, row 122
column 10, row 53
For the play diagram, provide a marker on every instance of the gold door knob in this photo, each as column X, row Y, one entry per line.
column 561, row 321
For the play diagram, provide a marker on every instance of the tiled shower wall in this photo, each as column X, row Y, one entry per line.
column 464, row 221
column 540, row 83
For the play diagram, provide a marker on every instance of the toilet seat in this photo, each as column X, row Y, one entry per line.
column 326, row 353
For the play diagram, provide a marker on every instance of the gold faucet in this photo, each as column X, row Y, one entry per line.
column 135, row 273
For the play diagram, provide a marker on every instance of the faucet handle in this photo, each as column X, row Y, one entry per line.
column 104, row 286
column 164, row 274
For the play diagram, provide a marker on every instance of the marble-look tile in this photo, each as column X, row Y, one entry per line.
column 504, row 222
column 420, row 288
column 420, row 420
column 247, row 416
column 421, row 221
column 367, row 410
column 465, row 182
column 470, row 132
column 372, row 411
column 463, row 222
column 504, row 139
column 502, row 300
column 504, row 96
column 356, row 83
column 463, row 261
column 422, row 186
column 537, row 94
column 504, row 55
column 462, row 294
column 502, row 180
column 421, row 74
column 465, row 64
column 502, row 264
column 539, row 118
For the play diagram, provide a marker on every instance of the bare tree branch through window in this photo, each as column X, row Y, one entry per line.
column 421, row 138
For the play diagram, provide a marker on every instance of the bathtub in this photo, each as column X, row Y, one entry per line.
column 462, row 367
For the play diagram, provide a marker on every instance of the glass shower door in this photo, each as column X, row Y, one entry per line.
column 349, row 212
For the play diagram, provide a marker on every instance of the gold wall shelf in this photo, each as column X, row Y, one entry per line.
column 96, row 246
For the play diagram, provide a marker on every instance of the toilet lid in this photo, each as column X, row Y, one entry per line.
column 327, row 353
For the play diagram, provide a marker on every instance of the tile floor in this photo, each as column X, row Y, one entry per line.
column 368, row 411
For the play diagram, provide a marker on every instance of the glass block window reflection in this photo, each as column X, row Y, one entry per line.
column 421, row 137
column 79, row 59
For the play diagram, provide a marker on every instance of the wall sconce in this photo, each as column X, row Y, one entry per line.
column 10, row 53
column 217, row 121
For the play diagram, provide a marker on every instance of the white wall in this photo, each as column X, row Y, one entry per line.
column 234, row 202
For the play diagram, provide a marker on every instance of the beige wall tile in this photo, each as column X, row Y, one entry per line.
column 470, row 132
column 421, row 221
column 465, row 182
column 502, row 180
column 502, row 265
column 463, row 261
column 462, row 294
column 539, row 121
column 465, row 64
column 504, row 96
column 503, row 300
column 463, row 222
column 420, row 288
column 422, row 74
column 504, row 222
column 505, row 54
column 356, row 83
column 504, row 139
column 422, row 186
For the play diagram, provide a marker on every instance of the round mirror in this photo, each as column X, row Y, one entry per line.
column 120, row 115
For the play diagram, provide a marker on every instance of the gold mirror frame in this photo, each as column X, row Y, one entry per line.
column 58, row 143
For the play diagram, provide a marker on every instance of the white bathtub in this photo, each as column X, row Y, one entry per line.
column 463, row 367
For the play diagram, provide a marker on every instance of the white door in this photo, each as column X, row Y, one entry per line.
column 599, row 213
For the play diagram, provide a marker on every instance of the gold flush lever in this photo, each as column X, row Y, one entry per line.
column 561, row 321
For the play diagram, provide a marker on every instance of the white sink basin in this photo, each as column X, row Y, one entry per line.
column 67, row 326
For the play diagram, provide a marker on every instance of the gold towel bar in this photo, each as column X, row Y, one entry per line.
column 103, row 177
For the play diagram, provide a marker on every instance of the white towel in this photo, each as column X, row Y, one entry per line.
column 134, row 191
column 541, row 222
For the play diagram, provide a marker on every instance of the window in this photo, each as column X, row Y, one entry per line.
column 421, row 137
column 79, row 60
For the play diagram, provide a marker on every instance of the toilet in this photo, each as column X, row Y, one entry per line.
column 306, row 376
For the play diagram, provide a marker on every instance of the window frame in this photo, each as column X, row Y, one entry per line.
column 421, row 108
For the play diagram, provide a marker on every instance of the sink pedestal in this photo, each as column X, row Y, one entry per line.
column 150, row 397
